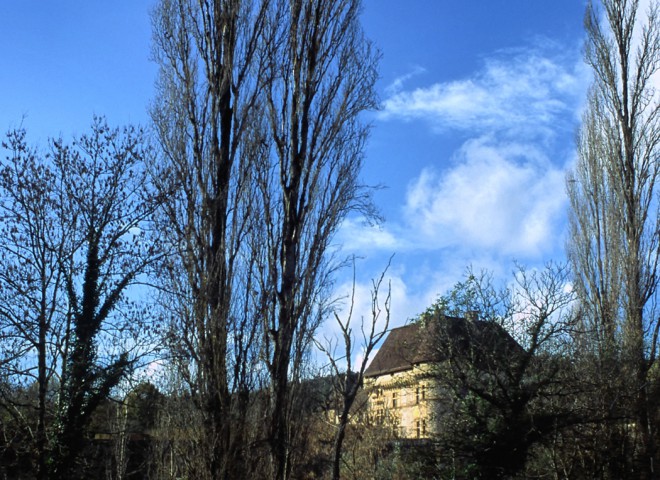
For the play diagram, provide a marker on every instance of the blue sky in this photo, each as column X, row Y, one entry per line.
column 480, row 102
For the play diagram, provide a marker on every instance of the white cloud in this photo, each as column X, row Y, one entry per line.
column 356, row 235
column 403, row 306
column 500, row 197
column 523, row 91
column 496, row 197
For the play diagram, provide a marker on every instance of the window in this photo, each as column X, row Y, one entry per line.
column 380, row 416
column 420, row 393
column 394, row 400
column 423, row 428
column 418, row 428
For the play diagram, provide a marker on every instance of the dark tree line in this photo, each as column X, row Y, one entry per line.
column 504, row 373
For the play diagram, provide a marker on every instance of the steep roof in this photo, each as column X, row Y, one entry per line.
column 418, row 342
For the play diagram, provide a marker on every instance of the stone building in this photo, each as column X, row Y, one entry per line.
column 402, row 380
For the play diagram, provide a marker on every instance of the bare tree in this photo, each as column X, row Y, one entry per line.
column 348, row 380
column 205, row 116
column 320, row 77
column 615, row 238
column 108, row 205
column 31, row 282
column 78, row 238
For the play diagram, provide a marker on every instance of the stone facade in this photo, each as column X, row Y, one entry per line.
column 403, row 400
column 400, row 385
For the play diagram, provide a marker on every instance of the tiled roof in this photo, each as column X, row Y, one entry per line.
column 418, row 342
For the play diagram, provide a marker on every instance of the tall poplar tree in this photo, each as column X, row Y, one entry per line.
column 258, row 117
column 615, row 239
column 320, row 73
column 204, row 115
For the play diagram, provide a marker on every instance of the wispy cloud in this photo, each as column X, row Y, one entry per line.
column 523, row 91
column 397, row 84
